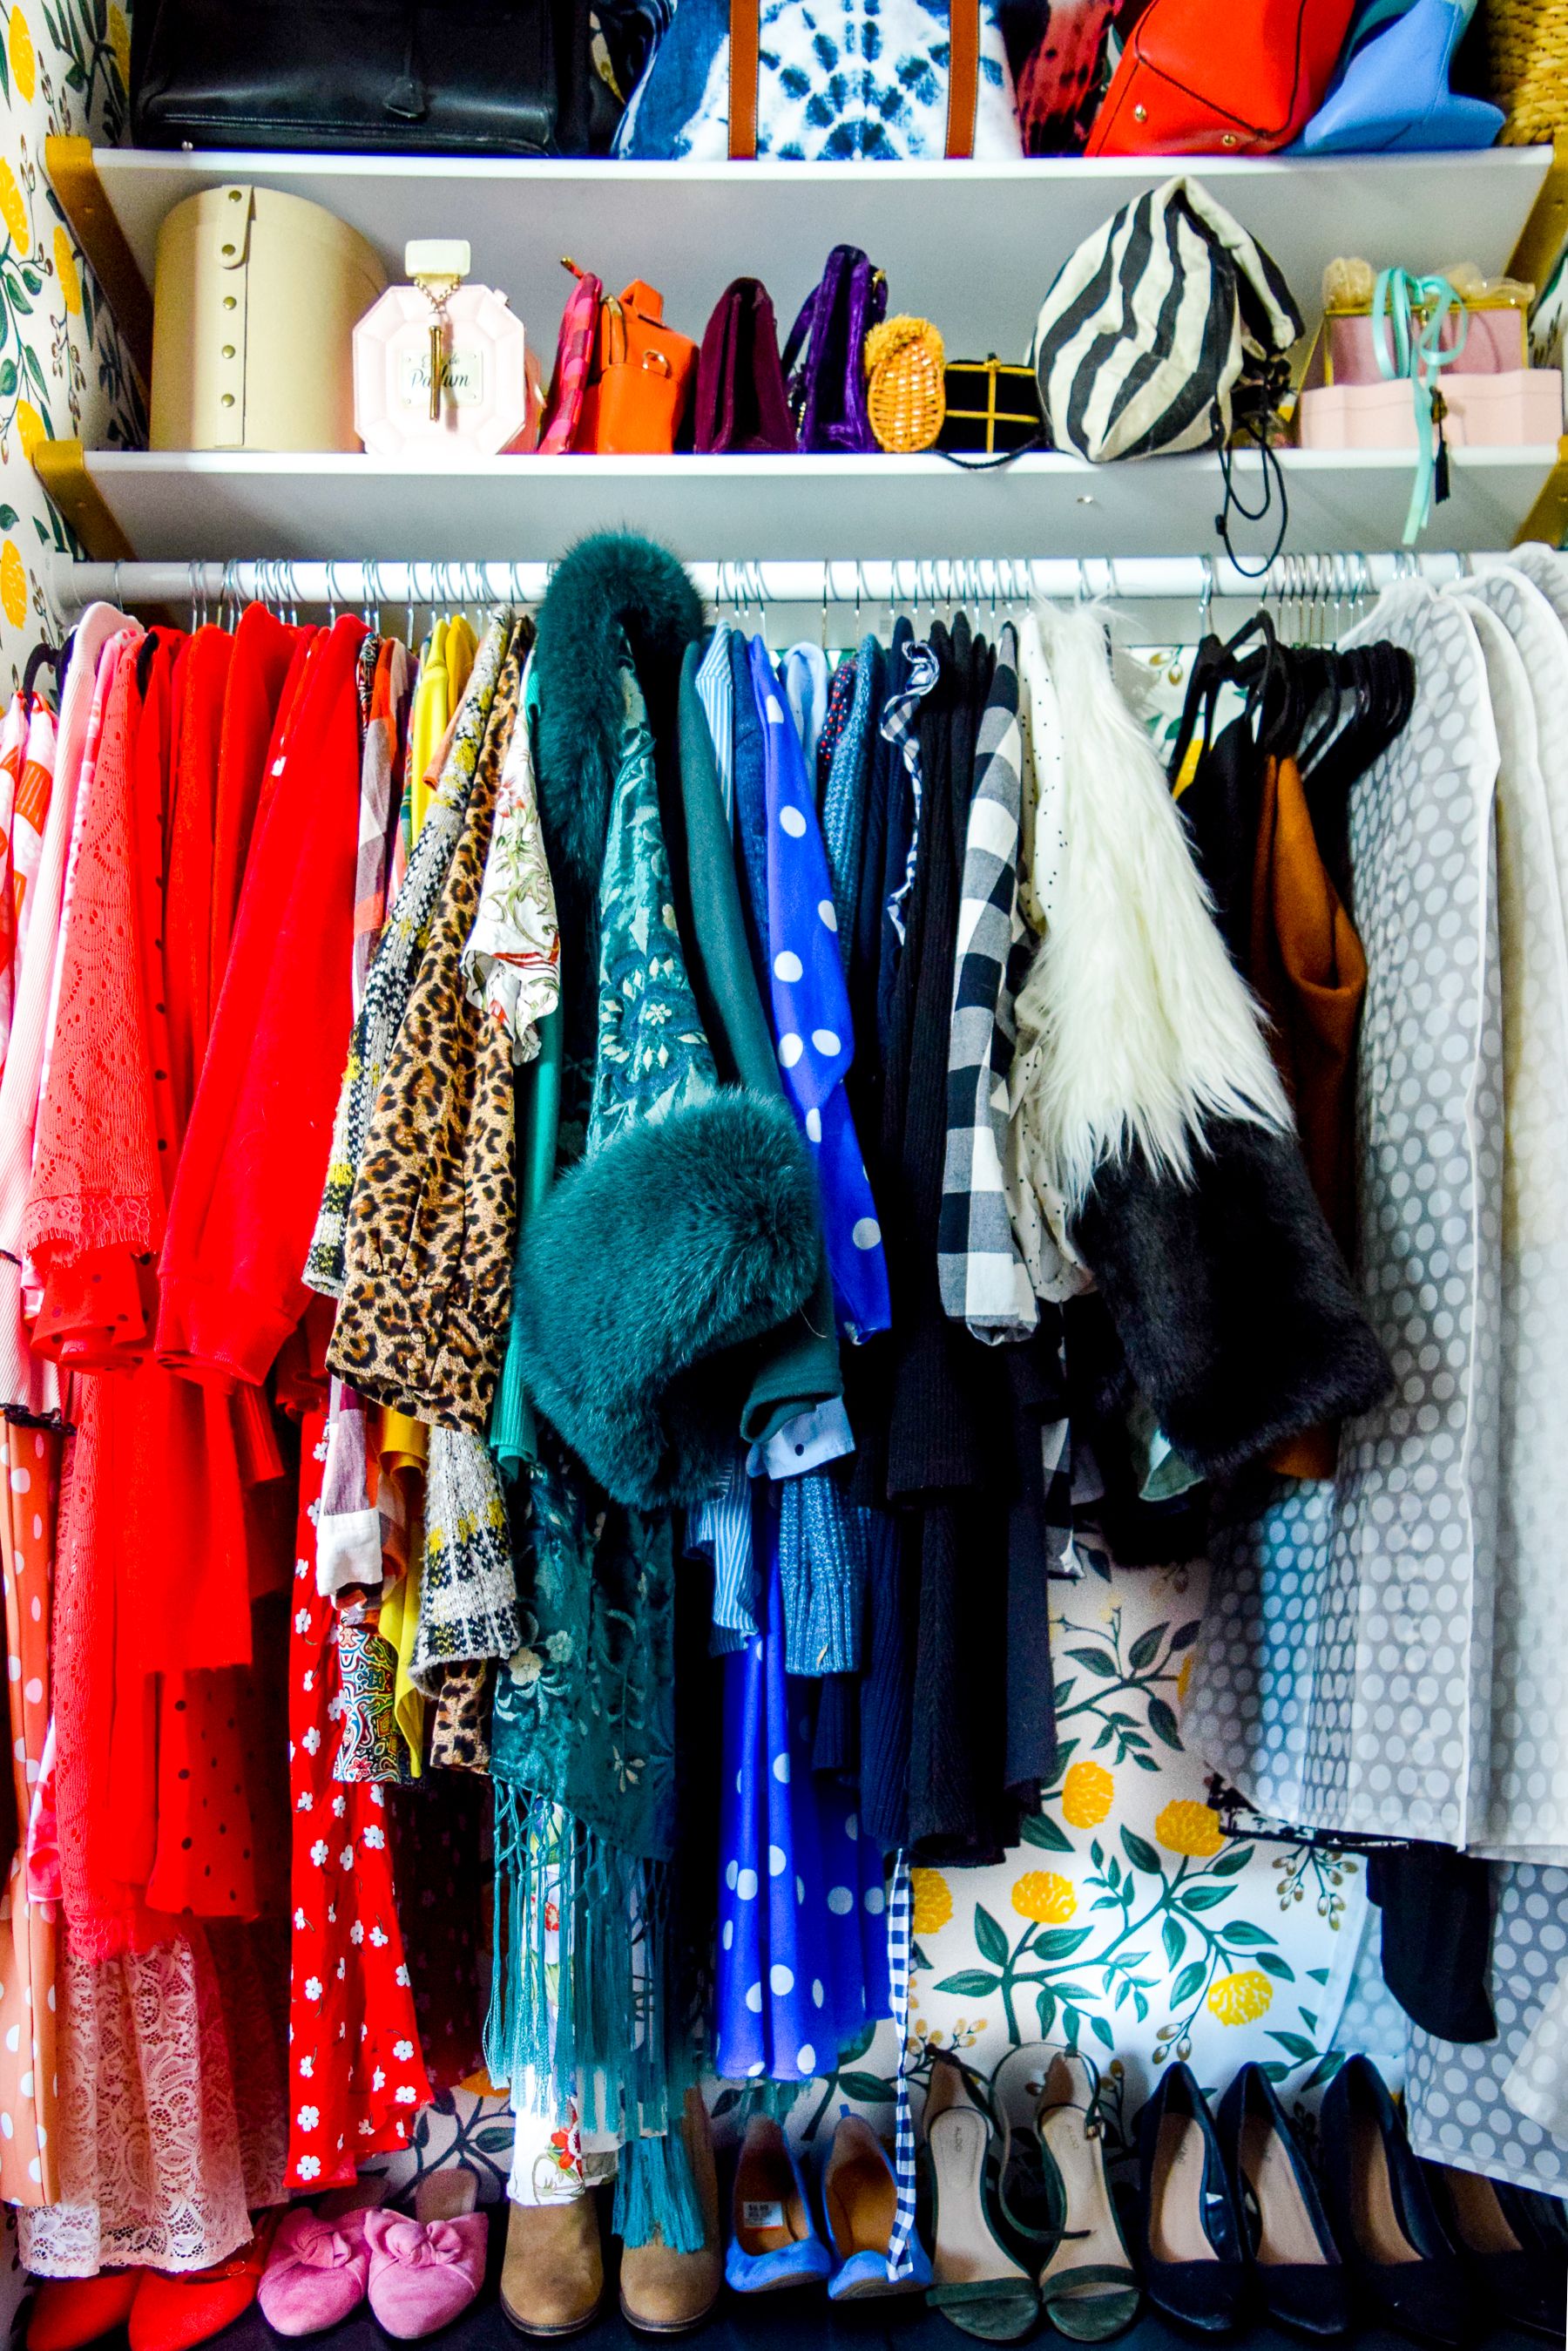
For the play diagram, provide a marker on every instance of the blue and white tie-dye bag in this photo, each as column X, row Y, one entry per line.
column 836, row 81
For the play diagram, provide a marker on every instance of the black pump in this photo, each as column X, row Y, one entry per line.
column 1297, row 2274
column 1191, row 2250
column 1403, row 2269
column 1519, row 2270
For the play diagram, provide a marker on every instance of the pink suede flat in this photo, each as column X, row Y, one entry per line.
column 317, row 2272
column 423, row 2273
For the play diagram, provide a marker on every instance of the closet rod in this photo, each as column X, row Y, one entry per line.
column 746, row 585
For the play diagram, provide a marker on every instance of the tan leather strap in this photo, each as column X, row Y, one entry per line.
column 743, row 43
column 963, row 76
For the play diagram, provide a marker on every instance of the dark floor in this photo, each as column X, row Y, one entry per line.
column 783, row 2322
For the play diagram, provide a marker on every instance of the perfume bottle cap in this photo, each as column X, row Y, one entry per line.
column 437, row 257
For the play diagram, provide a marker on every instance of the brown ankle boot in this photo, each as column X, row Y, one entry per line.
column 663, row 2293
column 552, row 2280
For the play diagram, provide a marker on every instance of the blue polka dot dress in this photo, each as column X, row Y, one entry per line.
column 803, row 1955
column 810, row 1013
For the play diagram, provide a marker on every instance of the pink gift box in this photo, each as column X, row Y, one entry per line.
column 1519, row 409
column 1495, row 344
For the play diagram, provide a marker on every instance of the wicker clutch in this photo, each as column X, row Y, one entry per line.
column 905, row 370
column 1527, row 45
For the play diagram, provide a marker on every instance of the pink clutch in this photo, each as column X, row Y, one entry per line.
column 1521, row 409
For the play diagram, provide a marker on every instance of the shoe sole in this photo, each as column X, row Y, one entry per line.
column 659, row 2326
column 552, row 2334
column 872, row 2292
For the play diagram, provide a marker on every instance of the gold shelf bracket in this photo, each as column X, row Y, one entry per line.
column 61, row 467
column 73, row 177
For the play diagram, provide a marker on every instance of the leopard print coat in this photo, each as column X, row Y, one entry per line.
column 398, row 960
column 432, row 1217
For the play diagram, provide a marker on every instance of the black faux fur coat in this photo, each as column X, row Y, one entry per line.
column 1230, row 1298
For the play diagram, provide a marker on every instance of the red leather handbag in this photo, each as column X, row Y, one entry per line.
column 1219, row 77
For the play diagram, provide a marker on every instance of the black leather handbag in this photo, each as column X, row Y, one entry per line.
column 414, row 77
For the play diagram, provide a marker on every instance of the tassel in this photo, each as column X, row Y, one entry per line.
column 654, row 2190
column 592, row 2025
column 1440, row 468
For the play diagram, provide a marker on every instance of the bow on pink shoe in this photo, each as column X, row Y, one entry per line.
column 317, row 2273
column 424, row 2273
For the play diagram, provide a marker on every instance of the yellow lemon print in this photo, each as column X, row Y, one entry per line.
column 66, row 271
column 1087, row 1794
column 933, row 1903
column 13, row 211
column 23, row 71
column 1045, row 1896
column 1187, row 1826
column 29, row 428
column 13, row 585
column 1182, row 1678
column 1239, row 1999
column 120, row 42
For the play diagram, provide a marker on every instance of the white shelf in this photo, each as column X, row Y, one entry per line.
column 182, row 506
column 971, row 247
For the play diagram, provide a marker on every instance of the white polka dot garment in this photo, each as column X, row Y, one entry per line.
column 810, row 1011
column 802, row 1930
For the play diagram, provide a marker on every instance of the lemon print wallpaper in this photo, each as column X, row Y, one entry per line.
column 63, row 371
column 1129, row 1925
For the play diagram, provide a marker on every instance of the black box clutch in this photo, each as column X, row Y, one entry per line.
column 992, row 409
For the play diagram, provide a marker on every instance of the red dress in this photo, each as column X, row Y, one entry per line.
column 357, row 2078
column 172, row 1781
column 255, row 1158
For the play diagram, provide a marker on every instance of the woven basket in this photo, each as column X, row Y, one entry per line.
column 906, row 392
column 1527, row 49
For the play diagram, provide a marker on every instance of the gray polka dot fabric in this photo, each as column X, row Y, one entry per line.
column 1253, row 1707
column 1537, row 2085
column 1456, row 2101
column 1345, row 1680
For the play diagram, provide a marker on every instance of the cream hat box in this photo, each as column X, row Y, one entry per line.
column 253, row 326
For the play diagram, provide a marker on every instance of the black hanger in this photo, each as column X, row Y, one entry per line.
column 55, row 658
column 1215, row 664
column 1384, row 679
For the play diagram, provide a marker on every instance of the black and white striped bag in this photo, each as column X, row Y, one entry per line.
column 1153, row 323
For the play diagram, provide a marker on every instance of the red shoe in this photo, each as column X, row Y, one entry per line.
column 69, row 2312
column 172, row 2313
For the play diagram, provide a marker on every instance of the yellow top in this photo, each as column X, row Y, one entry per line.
column 453, row 648
column 462, row 645
column 428, row 723
column 405, row 1450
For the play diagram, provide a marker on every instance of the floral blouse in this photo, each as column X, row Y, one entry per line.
column 512, row 962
